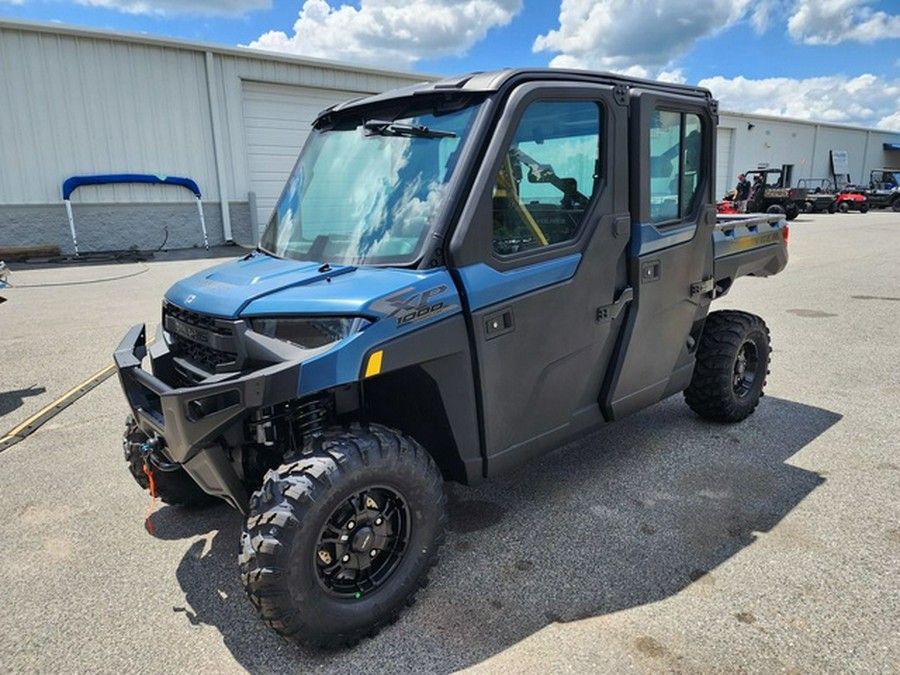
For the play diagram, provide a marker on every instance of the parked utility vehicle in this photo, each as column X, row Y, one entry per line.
column 851, row 198
column 884, row 189
column 458, row 276
column 770, row 193
column 820, row 195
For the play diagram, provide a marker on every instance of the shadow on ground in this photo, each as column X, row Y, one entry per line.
column 627, row 516
column 13, row 400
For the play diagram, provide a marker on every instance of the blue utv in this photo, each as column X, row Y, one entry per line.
column 457, row 277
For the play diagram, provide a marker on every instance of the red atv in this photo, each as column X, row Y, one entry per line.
column 851, row 198
column 726, row 206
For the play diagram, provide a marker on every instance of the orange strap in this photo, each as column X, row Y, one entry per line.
column 150, row 508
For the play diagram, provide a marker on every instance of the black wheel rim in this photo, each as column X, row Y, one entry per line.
column 363, row 542
column 746, row 366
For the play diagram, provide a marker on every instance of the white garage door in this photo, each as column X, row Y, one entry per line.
column 277, row 120
column 725, row 181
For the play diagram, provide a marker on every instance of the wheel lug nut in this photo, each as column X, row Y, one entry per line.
column 346, row 558
column 373, row 553
column 351, row 524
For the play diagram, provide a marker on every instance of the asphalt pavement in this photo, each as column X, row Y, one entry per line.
column 662, row 543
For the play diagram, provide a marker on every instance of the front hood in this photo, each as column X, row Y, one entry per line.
column 226, row 289
column 261, row 285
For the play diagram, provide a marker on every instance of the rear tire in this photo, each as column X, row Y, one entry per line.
column 864, row 208
column 172, row 487
column 341, row 539
column 895, row 204
column 843, row 207
column 732, row 364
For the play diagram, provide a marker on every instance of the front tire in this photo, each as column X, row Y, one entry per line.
column 341, row 539
column 173, row 487
column 864, row 207
column 731, row 368
column 791, row 211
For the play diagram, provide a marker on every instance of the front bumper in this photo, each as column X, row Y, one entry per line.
column 191, row 418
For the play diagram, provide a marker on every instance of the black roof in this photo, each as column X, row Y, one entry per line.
column 487, row 82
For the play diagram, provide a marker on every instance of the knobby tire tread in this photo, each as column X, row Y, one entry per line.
column 293, row 489
column 710, row 392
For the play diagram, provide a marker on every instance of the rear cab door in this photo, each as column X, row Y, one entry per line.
column 540, row 260
column 672, row 150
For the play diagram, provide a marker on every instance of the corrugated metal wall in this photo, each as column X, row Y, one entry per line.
column 762, row 140
column 74, row 105
column 80, row 102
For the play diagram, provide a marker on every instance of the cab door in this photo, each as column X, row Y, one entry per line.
column 540, row 260
column 672, row 151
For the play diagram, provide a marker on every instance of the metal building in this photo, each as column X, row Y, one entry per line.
column 804, row 149
column 83, row 102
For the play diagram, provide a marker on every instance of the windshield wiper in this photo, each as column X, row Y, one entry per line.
column 387, row 128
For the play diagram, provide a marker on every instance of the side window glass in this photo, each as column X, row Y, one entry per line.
column 676, row 147
column 548, row 176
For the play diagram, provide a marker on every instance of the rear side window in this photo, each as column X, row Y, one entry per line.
column 548, row 176
column 676, row 147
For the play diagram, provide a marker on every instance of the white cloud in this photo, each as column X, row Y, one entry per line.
column 639, row 36
column 865, row 100
column 171, row 7
column 394, row 33
column 646, row 37
column 676, row 76
column 12, row 2
column 762, row 14
column 829, row 22
column 889, row 123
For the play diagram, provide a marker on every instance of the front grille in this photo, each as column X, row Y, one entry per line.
column 204, row 321
column 203, row 356
column 205, row 342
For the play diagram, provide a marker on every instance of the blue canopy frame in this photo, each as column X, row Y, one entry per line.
column 74, row 182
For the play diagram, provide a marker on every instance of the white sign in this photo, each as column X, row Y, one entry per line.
column 840, row 162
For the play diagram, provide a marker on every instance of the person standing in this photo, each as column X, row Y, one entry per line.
column 742, row 193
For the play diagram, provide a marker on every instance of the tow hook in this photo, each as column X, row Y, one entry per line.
column 148, row 447
column 149, row 451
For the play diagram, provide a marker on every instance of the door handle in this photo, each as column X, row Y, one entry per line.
column 499, row 323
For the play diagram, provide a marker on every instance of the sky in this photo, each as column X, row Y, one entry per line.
column 835, row 61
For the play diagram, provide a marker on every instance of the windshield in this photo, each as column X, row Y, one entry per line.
column 368, row 191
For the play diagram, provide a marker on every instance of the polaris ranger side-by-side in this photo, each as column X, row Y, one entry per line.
column 770, row 194
column 458, row 276
column 884, row 189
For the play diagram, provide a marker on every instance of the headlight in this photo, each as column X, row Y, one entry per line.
column 309, row 332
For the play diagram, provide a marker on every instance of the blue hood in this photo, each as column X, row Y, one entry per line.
column 261, row 285
column 226, row 289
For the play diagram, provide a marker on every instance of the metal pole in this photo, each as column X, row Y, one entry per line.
column 212, row 93
column 72, row 225
column 202, row 223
